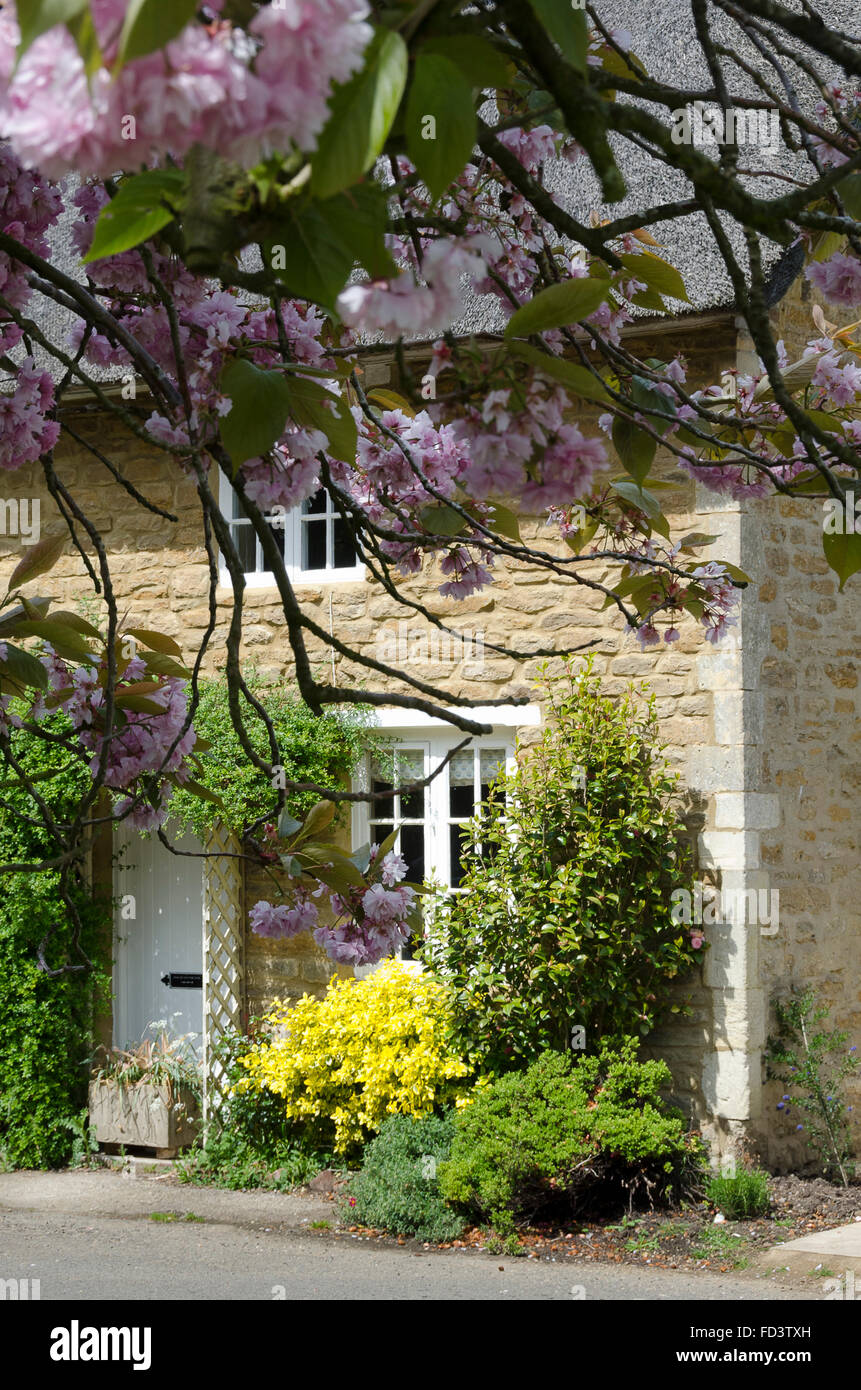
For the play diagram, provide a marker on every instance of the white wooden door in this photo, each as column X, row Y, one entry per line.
column 159, row 935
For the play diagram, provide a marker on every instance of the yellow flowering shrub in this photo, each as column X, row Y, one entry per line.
column 368, row 1049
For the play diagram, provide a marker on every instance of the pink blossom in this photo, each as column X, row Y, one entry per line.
column 838, row 279
column 283, row 921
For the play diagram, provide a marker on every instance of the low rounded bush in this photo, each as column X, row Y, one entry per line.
column 741, row 1195
column 398, row 1189
column 368, row 1049
column 565, row 1137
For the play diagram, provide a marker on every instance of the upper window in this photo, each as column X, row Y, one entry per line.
column 313, row 538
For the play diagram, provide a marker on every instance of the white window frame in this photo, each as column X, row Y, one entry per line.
column 435, row 738
column 265, row 579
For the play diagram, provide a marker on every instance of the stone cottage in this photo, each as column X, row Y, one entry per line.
column 764, row 728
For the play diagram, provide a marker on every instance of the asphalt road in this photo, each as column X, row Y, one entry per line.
column 96, row 1235
column 85, row 1257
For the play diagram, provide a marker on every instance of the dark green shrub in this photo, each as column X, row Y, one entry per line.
column 45, row 1023
column 566, row 918
column 740, row 1195
column 567, row 1137
column 397, row 1189
column 323, row 750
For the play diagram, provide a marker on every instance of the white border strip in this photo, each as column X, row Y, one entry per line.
column 500, row 716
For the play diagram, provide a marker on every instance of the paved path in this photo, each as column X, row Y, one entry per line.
column 838, row 1250
column 90, row 1235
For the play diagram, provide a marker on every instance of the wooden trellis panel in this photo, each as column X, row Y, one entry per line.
column 223, row 961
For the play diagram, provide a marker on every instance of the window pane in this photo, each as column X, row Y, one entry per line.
column 411, row 768
column 492, row 762
column 344, row 556
column 381, row 831
column 246, row 544
column 456, row 841
column 316, row 504
column 278, row 534
column 384, row 809
column 314, row 545
column 461, row 801
column 413, row 849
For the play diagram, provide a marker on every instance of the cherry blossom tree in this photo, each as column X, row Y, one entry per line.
column 261, row 192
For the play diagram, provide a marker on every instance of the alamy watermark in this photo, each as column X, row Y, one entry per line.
column 842, row 516
column 707, row 905
column 21, row 517
column 705, row 124
column 403, row 645
column 19, row 1290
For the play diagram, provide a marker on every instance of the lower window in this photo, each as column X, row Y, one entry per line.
column 431, row 820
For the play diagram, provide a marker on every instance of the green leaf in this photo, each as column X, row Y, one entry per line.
column 694, row 540
column 39, row 560
column 149, row 25
column 579, row 380
column 657, row 274
column 288, row 825
column 843, row 553
column 481, row 64
column 261, row 404
column 442, row 520
column 73, row 620
column 83, row 31
column 440, row 121
column 63, row 639
column 23, row 668
column 310, row 407
column 578, row 540
column 162, row 665
column 637, row 497
column 141, row 208
column 361, row 113
column 36, row 17
column 316, row 259
column 321, row 815
column 332, row 867
column 635, row 448
column 649, row 299
column 849, row 190
column 361, row 213
column 567, row 27
column 157, row 641
column 826, row 245
column 735, row 573
column 504, row 522
column 139, row 704
column 362, row 858
column 557, row 307
column 645, row 395
column 386, row 845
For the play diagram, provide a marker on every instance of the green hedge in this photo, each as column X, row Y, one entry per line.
column 45, row 1022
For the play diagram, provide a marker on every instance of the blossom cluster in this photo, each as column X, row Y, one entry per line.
column 143, row 745
column 203, row 88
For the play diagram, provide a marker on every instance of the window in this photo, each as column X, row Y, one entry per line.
column 431, row 820
column 314, row 540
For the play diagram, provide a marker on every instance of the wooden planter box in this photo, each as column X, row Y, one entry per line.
column 143, row 1115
